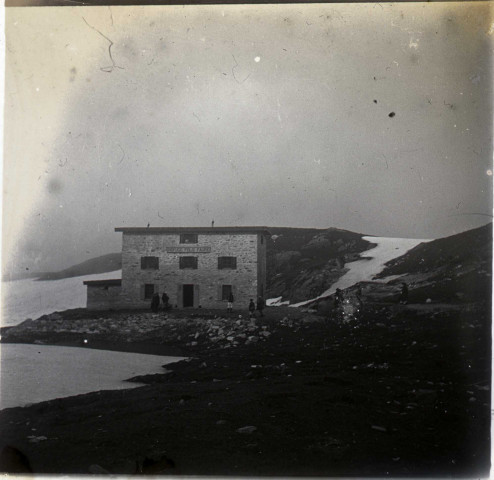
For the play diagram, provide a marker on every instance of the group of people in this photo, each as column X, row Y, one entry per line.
column 155, row 302
column 253, row 307
column 259, row 307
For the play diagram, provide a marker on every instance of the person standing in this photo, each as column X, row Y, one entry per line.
column 260, row 305
column 164, row 300
column 252, row 308
column 231, row 299
column 338, row 304
column 404, row 294
column 155, row 303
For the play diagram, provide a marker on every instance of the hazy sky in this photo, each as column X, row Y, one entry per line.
column 273, row 115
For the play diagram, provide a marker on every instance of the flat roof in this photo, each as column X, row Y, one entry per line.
column 115, row 282
column 203, row 230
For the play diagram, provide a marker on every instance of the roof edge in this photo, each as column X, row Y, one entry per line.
column 209, row 230
column 112, row 282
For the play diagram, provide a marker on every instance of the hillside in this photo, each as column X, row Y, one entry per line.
column 302, row 263
column 455, row 268
column 102, row 264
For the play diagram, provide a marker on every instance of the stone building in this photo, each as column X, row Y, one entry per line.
column 104, row 294
column 196, row 267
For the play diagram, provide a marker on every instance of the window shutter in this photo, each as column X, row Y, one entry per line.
column 220, row 292
column 227, row 262
column 141, row 296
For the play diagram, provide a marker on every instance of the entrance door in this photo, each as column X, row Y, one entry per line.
column 188, row 295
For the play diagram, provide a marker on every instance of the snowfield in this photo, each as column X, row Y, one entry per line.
column 22, row 299
column 372, row 262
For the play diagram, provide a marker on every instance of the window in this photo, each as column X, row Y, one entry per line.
column 227, row 262
column 262, row 239
column 148, row 290
column 150, row 263
column 225, row 291
column 188, row 262
column 188, row 238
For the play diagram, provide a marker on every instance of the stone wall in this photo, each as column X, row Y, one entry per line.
column 207, row 278
column 104, row 297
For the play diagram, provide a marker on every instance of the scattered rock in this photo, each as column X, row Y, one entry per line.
column 248, row 429
column 36, row 439
column 378, row 428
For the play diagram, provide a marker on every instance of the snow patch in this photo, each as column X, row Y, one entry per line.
column 371, row 263
column 276, row 302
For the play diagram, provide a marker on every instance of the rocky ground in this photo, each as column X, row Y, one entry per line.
column 402, row 390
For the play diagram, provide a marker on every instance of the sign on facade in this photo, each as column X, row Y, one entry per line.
column 188, row 249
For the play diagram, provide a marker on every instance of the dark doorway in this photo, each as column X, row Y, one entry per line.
column 188, row 295
column 148, row 291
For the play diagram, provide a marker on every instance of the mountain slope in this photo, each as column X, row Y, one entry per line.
column 303, row 263
column 451, row 269
column 102, row 264
column 371, row 262
column 472, row 246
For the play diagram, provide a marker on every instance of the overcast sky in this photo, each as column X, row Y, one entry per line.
column 249, row 115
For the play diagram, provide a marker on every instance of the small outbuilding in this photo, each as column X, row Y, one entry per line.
column 104, row 294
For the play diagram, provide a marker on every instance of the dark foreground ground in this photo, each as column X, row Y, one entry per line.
column 405, row 391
